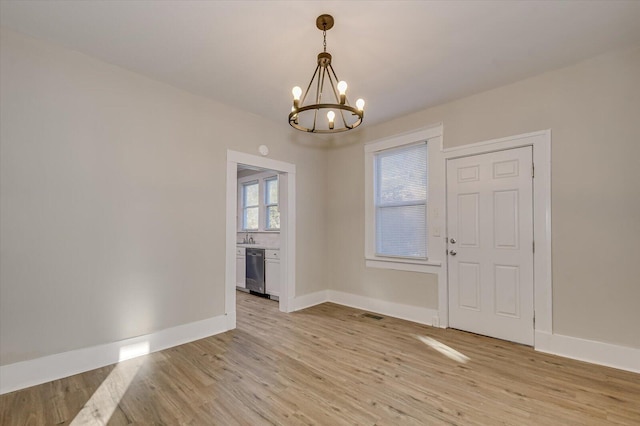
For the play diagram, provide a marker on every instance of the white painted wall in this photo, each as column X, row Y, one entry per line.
column 112, row 201
column 592, row 109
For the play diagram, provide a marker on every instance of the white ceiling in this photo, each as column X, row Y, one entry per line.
column 400, row 56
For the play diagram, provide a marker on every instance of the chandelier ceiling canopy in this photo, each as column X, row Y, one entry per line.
column 324, row 107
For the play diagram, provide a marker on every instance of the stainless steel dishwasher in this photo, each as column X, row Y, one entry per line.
column 255, row 271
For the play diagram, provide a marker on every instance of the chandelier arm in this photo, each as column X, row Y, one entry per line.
column 319, row 87
column 335, row 93
column 344, row 120
column 336, row 96
column 333, row 87
column 309, row 86
column 323, row 72
column 315, row 117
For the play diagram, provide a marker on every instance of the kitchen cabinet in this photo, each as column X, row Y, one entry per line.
column 272, row 272
column 241, row 262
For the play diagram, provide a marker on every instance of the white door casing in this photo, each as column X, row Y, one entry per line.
column 287, row 192
column 490, row 246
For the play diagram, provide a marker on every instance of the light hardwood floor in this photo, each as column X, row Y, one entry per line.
column 330, row 365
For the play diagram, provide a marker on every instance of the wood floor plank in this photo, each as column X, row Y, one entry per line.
column 330, row 365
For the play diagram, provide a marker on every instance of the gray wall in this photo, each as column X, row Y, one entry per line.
column 593, row 110
column 112, row 211
column 112, row 185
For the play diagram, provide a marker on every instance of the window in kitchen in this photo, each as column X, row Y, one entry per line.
column 272, row 212
column 258, row 202
column 250, row 205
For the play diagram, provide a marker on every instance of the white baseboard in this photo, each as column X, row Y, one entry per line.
column 621, row 357
column 230, row 321
column 41, row 370
column 33, row 372
column 308, row 300
column 398, row 310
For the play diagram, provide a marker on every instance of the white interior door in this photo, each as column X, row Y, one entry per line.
column 490, row 244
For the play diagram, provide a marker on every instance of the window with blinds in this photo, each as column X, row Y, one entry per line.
column 400, row 198
column 250, row 206
column 271, row 204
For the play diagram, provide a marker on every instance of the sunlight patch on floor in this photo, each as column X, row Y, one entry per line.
column 444, row 349
column 104, row 401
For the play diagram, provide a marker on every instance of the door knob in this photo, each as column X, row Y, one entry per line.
column 452, row 252
column 452, row 241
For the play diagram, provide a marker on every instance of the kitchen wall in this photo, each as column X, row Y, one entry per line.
column 113, row 190
column 261, row 239
column 593, row 111
column 267, row 239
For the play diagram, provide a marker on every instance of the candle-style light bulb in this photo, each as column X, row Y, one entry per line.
column 342, row 89
column 360, row 104
column 296, row 91
column 331, row 116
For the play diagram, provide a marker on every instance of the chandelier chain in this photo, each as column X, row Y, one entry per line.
column 324, row 36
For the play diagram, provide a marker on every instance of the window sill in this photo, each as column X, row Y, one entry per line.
column 425, row 267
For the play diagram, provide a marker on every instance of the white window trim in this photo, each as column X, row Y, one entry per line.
column 432, row 136
column 262, row 223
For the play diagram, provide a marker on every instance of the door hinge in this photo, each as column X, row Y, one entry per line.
column 534, row 319
column 533, row 170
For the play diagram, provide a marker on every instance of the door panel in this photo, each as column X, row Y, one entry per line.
column 469, row 286
column 468, row 234
column 490, row 231
column 468, row 174
column 505, row 219
column 507, row 290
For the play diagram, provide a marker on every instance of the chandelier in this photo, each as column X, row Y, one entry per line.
column 325, row 94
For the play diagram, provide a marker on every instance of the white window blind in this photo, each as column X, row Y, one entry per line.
column 400, row 197
column 271, row 203
column 250, row 205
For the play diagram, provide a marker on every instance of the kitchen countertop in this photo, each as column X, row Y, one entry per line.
column 258, row 246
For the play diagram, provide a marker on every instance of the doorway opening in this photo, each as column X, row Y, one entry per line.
column 256, row 226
